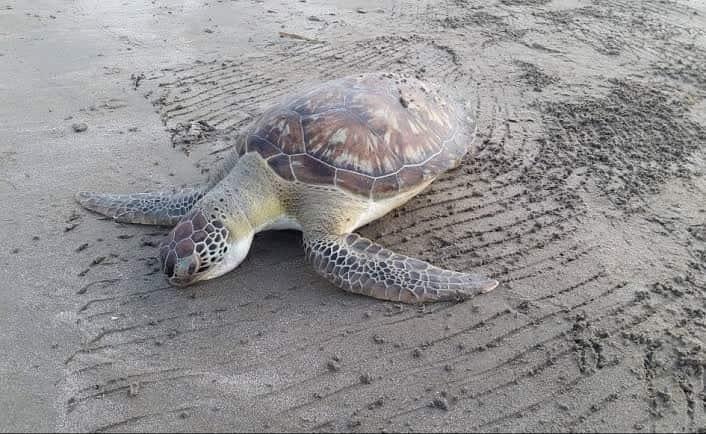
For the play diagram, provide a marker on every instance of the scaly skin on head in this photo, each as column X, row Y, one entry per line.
column 193, row 248
column 215, row 236
column 211, row 240
column 204, row 245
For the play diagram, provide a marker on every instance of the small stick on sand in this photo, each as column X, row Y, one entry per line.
column 295, row 36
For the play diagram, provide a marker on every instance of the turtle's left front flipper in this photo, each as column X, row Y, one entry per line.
column 359, row 265
column 158, row 208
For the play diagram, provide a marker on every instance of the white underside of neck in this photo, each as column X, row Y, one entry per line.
column 237, row 252
column 282, row 222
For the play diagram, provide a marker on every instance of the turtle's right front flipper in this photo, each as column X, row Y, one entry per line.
column 158, row 208
column 359, row 265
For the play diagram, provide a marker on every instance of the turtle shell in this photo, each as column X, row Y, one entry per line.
column 374, row 135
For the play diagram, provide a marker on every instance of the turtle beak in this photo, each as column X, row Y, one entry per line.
column 183, row 274
column 179, row 271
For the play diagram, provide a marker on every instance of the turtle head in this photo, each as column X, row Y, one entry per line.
column 201, row 247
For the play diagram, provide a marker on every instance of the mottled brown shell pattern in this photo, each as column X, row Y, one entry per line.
column 373, row 135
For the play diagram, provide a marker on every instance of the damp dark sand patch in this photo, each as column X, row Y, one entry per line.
column 495, row 28
column 629, row 142
column 472, row 19
column 534, row 76
column 612, row 28
column 525, row 2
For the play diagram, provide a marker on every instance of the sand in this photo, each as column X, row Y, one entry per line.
column 585, row 197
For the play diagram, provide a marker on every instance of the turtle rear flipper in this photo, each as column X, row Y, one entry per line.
column 157, row 208
column 359, row 265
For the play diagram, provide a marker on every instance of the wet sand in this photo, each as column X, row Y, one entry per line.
column 585, row 198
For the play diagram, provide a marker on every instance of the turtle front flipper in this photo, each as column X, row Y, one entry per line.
column 361, row 266
column 158, row 208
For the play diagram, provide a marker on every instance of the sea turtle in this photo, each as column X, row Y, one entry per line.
column 324, row 161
